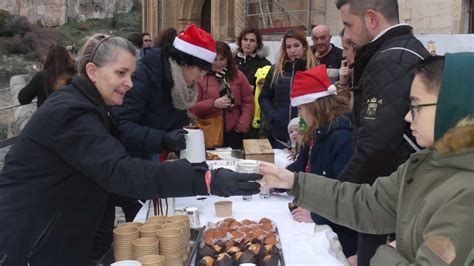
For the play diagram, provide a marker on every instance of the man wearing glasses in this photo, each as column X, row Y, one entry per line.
column 146, row 37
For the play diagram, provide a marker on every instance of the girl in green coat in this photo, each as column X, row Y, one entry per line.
column 428, row 201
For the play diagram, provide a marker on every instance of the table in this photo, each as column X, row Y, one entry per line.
column 302, row 244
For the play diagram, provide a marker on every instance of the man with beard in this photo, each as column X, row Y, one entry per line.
column 381, row 89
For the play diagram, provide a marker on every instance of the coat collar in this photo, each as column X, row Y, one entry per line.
column 89, row 90
column 85, row 86
column 366, row 52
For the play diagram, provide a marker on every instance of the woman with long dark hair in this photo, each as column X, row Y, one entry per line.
column 58, row 71
column 225, row 93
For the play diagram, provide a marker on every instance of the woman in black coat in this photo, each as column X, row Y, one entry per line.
column 58, row 71
column 58, row 174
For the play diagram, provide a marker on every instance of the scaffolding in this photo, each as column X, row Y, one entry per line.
column 278, row 16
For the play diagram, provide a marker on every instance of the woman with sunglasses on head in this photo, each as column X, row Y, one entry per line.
column 154, row 112
column 224, row 93
column 428, row 200
column 59, row 173
column 295, row 55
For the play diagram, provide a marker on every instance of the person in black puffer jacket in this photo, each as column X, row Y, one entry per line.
column 381, row 86
column 67, row 160
column 155, row 110
column 274, row 99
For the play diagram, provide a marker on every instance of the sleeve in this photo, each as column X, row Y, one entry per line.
column 341, row 152
column 245, row 119
column 266, row 96
column 133, row 135
column 363, row 208
column 380, row 133
column 30, row 91
column 447, row 237
column 81, row 140
column 203, row 107
column 300, row 163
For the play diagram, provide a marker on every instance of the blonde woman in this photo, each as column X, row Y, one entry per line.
column 275, row 96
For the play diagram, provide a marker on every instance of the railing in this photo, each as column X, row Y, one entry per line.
column 9, row 141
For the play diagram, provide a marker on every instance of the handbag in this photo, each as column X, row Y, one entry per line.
column 213, row 129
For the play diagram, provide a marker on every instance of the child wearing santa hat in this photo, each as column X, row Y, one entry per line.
column 327, row 141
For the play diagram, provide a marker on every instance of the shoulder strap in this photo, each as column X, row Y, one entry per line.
column 404, row 49
column 405, row 136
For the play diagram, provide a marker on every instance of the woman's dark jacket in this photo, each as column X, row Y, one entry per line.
column 249, row 65
column 275, row 100
column 58, row 174
column 329, row 155
column 147, row 112
column 34, row 88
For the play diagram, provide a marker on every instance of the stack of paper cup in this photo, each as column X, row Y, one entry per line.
column 149, row 230
column 123, row 238
column 131, row 224
column 186, row 231
column 171, row 243
column 158, row 219
column 185, row 242
column 145, row 246
column 152, row 260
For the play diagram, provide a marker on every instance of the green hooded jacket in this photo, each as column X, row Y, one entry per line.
column 429, row 200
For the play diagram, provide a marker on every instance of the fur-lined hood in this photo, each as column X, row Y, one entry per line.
column 459, row 137
column 262, row 53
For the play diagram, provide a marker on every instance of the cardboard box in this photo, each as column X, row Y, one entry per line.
column 259, row 149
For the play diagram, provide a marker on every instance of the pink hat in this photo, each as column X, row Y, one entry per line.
column 310, row 85
column 196, row 42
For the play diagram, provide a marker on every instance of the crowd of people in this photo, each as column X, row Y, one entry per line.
column 380, row 132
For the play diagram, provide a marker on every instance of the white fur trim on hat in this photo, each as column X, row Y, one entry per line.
column 194, row 50
column 312, row 97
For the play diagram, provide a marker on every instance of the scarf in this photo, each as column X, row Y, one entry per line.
column 183, row 97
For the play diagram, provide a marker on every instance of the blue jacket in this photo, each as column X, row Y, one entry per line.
column 275, row 100
column 147, row 112
column 332, row 151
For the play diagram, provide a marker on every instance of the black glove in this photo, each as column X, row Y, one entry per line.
column 225, row 182
column 175, row 140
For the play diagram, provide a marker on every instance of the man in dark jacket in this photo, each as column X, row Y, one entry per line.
column 382, row 82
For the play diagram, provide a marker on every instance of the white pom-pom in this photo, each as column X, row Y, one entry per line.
column 332, row 89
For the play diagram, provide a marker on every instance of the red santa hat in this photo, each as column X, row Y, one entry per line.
column 310, row 85
column 196, row 42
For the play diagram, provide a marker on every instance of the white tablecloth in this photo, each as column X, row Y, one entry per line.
column 303, row 244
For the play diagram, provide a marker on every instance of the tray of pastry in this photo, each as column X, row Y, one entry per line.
column 230, row 243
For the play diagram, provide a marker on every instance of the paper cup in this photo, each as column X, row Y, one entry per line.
column 131, row 224
column 152, row 260
column 145, row 246
column 223, row 208
column 247, row 166
column 127, row 263
column 149, row 230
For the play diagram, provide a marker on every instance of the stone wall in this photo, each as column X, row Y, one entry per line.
column 57, row 12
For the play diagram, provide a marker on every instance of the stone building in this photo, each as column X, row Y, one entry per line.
column 224, row 19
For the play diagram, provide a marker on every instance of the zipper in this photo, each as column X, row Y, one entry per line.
column 43, row 234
